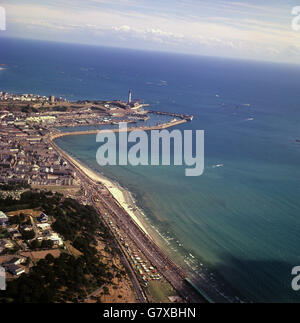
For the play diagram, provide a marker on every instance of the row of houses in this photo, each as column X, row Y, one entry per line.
column 14, row 265
column 25, row 156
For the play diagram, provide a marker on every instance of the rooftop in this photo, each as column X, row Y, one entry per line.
column 2, row 215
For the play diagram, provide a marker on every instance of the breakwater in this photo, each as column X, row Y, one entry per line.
column 95, row 131
column 175, row 115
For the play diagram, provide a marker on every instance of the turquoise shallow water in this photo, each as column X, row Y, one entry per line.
column 247, row 231
column 241, row 221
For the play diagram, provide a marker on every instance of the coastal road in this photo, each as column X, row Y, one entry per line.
column 139, row 291
column 152, row 252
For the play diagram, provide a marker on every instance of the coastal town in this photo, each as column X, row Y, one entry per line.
column 30, row 160
column 25, row 132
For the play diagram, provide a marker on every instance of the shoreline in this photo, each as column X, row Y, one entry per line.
column 121, row 195
column 155, row 254
column 125, row 199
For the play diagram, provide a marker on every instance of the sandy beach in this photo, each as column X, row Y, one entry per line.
column 120, row 194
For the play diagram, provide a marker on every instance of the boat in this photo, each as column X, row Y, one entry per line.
column 218, row 165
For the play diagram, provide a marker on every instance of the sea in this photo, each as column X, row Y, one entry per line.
column 237, row 226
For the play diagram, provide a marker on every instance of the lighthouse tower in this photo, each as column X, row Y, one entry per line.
column 129, row 96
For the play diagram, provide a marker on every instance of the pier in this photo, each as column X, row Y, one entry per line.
column 172, row 114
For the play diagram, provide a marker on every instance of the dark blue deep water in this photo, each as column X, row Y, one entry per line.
column 239, row 223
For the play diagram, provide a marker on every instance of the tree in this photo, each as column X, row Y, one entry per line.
column 15, row 219
column 35, row 244
column 49, row 258
column 47, row 244
column 28, row 235
column 106, row 290
column 22, row 217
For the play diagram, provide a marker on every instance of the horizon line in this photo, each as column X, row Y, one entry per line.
column 231, row 58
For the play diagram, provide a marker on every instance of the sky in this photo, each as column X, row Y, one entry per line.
column 244, row 29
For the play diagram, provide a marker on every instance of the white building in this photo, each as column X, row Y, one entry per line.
column 43, row 226
column 56, row 239
column 129, row 96
column 3, row 218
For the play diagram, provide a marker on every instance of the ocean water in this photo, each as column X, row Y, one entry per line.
column 237, row 225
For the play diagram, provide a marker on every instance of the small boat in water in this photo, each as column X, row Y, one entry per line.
column 218, row 165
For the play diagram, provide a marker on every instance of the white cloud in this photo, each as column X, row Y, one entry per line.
column 124, row 28
column 219, row 27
